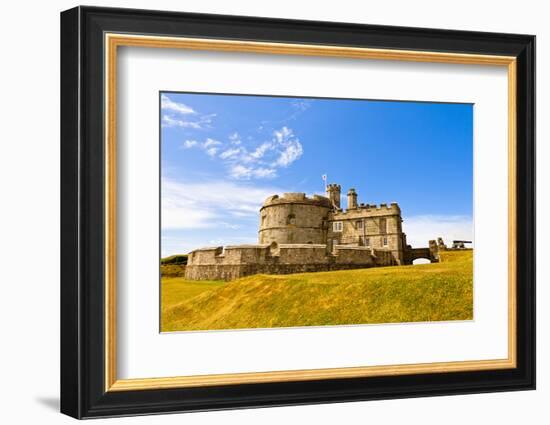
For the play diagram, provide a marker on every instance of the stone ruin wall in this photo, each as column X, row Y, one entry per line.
column 239, row 261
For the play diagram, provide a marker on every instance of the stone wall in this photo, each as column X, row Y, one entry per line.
column 231, row 272
column 302, row 254
column 372, row 226
column 358, row 255
column 245, row 260
column 384, row 258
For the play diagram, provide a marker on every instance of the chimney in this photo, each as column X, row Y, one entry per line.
column 352, row 199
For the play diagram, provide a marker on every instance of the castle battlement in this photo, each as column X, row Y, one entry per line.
column 208, row 248
column 392, row 206
column 367, row 211
column 297, row 198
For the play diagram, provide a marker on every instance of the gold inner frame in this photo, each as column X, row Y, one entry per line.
column 113, row 41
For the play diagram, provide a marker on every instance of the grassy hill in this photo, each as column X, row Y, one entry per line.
column 427, row 292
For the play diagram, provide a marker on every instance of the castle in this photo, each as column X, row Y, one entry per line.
column 306, row 234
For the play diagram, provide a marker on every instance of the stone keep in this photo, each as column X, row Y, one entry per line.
column 297, row 219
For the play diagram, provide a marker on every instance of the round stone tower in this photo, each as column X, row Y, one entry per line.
column 294, row 219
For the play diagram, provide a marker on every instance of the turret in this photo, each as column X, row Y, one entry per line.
column 352, row 199
column 333, row 193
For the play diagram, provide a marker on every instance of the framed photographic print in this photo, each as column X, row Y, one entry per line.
column 261, row 212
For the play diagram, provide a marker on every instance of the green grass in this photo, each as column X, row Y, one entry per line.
column 427, row 292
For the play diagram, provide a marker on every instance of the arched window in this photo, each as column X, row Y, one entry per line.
column 291, row 219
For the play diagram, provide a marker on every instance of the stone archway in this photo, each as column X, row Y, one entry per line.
column 421, row 260
column 421, row 253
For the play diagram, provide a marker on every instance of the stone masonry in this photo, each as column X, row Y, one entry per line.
column 308, row 234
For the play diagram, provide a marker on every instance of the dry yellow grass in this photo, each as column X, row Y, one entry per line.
column 428, row 292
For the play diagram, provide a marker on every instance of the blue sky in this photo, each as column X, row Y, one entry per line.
column 222, row 155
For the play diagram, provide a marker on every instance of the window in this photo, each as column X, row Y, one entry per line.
column 382, row 225
column 366, row 241
column 291, row 219
column 337, row 226
column 263, row 220
column 385, row 241
column 359, row 224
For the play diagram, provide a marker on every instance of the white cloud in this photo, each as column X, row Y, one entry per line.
column 291, row 153
column 421, row 228
column 264, row 172
column 211, row 151
column 211, row 142
column 210, row 146
column 190, row 143
column 235, row 139
column 209, row 204
column 256, row 162
column 253, row 161
column 169, row 121
column 230, row 153
column 177, row 114
column 283, row 134
column 290, row 147
column 262, row 161
column 240, row 172
column 261, row 150
column 168, row 104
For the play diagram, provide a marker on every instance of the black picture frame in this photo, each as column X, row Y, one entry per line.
column 83, row 392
